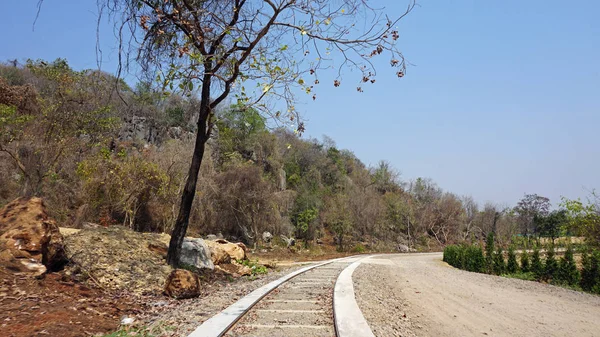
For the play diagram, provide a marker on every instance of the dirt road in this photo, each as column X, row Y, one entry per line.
column 418, row 294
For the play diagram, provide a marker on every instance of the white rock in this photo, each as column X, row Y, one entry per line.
column 127, row 320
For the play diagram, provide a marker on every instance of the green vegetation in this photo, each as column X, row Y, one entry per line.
column 468, row 257
column 512, row 266
column 537, row 268
column 525, row 267
column 499, row 264
column 489, row 253
column 256, row 267
column 99, row 151
column 453, row 256
column 550, row 265
column 568, row 274
column 359, row 248
column 590, row 273
column 127, row 331
column 562, row 273
column 584, row 219
column 529, row 276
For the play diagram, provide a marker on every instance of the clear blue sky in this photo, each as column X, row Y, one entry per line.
column 503, row 98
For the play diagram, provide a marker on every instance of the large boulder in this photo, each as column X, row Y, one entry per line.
column 195, row 253
column 218, row 254
column 29, row 241
column 182, row 283
column 223, row 251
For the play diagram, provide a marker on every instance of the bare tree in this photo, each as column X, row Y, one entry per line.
column 487, row 219
column 275, row 45
column 471, row 209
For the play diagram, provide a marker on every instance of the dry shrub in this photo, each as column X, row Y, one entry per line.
column 23, row 97
column 245, row 202
column 124, row 186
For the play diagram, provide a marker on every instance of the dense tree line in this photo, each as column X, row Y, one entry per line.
column 61, row 137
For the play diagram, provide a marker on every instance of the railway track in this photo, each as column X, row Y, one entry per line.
column 299, row 304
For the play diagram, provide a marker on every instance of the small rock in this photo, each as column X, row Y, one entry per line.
column 267, row 237
column 403, row 248
column 160, row 304
column 127, row 320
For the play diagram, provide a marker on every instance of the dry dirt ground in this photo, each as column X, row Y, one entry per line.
column 56, row 306
column 419, row 295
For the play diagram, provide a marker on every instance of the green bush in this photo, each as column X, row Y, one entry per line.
column 467, row 257
column 564, row 273
column 525, row 267
column 522, row 276
column 255, row 267
column 453, row 256
column 499, row 264
column 472, row 259
column 537, row 268
column 512, row 265
column 567, row 269
column 590, row 274
column 551, row 265
column 359, row 248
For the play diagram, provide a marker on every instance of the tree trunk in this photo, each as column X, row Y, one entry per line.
column 189, row 191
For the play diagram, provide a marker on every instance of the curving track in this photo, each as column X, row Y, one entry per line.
column 300, row 304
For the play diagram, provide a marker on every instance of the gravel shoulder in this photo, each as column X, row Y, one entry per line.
column 419, row 295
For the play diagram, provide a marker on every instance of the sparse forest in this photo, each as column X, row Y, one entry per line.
column 307, row 167
column 120, row 156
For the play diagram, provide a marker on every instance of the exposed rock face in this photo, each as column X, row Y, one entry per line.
column 182, row 283
column 282, row 179
column 195, row 252
column 29, row 241
column 139, row 128
column 146, row 130
column 177, row 132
